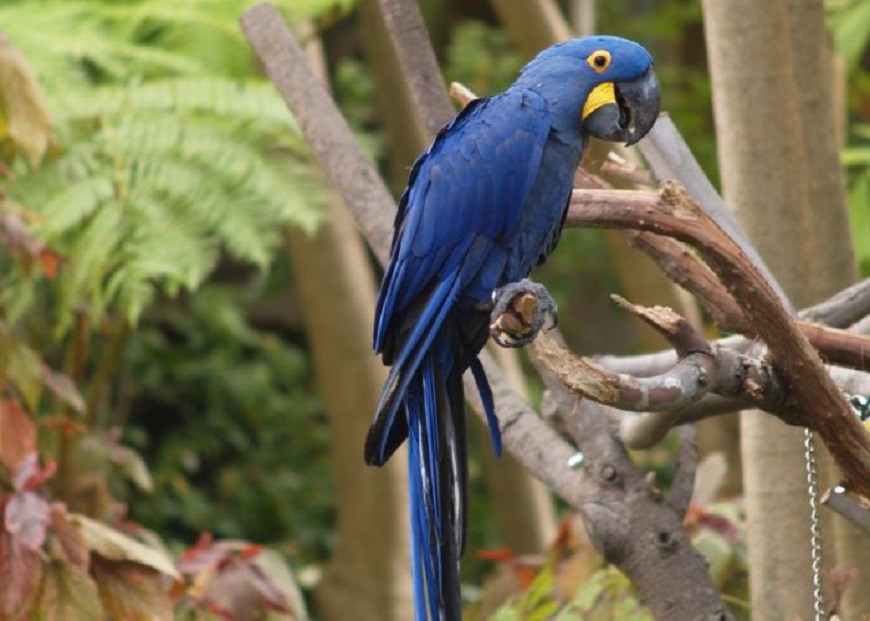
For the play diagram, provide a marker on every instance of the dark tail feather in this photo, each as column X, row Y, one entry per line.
column 452, row 477
column 437, row 486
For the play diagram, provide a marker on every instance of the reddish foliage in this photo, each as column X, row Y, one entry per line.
column 500, row 555
column 131, row 591
column 20, row 575
column 228, row 582
column 26, row 519
column 71, row 541
column 49, row 260
column 17, row 433
column 699, row 517
column 63, row 388
column 28, row 475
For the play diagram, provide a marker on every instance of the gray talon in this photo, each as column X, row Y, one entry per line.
column 521, row 310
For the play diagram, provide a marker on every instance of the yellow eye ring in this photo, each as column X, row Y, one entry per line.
column 599, row 60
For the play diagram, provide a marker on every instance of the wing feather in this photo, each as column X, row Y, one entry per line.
column 473, row 181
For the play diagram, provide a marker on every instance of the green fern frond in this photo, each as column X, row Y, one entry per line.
column 153, row 177
column 71, row 41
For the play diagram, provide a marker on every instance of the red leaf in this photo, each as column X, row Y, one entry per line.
column 272, row 596
column 68, row 593
column 721, row 525
column 72, row 542
column 250, row 550
column 20, row 575
column 501, row 555
column 29, row 476
column 49, row 260
column 27, row 468
column 26, row 519
column 204, row 555
column 17, row 433
column 241, row 590
column 132, row 592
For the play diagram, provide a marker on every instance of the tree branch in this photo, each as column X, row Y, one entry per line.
column 673, row 213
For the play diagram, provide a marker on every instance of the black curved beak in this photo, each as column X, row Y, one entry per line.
column 632, row 115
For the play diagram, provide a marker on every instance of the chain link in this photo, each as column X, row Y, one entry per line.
column 815, row 524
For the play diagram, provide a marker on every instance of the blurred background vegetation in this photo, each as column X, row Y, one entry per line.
column 155, row 167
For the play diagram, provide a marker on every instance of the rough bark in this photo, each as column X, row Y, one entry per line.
column 766, row 169
column 816, row 400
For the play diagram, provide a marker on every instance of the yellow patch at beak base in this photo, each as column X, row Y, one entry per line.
column 601, row 95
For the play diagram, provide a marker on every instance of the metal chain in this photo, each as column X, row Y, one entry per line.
column 815, row 524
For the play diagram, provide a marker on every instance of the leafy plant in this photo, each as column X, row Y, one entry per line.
column 856, row 158
column 135, row 159
column 226, row 416
column 849, row 22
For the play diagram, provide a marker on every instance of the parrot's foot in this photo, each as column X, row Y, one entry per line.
column 521, row 310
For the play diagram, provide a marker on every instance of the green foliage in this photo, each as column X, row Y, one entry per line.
column 153, row 175
column 225, row 415
column 606, row 595
column 156, row 179
column 849, row 21
column 166, row 156
column 857, row 160
column 481, row 57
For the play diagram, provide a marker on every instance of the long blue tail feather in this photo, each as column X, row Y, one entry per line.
column 421, row 558
column 436, row 464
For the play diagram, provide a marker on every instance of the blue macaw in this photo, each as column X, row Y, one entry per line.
column 485, row 203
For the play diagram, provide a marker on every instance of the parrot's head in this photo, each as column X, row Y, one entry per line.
column 598, row 86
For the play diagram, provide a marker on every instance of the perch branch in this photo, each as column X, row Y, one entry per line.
column 683, row 482
column 671, row 212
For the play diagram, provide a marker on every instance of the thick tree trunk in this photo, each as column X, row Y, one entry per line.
column 777, row 169
column 369, row 572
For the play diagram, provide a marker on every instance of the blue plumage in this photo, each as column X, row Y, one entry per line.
column 484, row 205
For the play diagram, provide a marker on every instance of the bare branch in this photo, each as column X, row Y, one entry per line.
column 683, row 483
column 418, row 64
column 682, row 265
column 856, row 512
column 687, row 381
column 669, row 156
column 324, row 126
column 842, row 309
column 816, row 395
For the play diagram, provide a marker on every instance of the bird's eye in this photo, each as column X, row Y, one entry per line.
column 599, row 60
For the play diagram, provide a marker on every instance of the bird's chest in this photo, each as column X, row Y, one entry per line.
column 513, row 254
column 540, row 224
